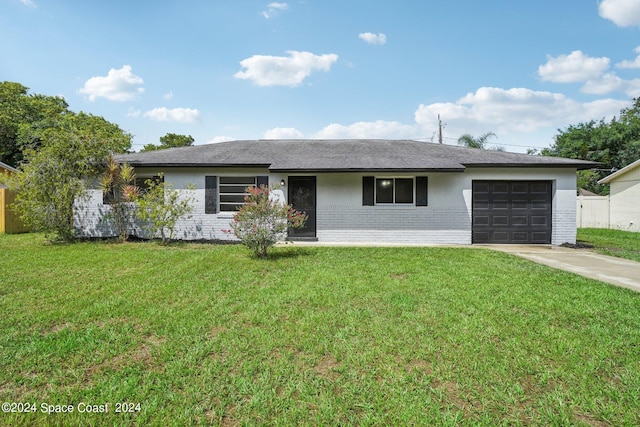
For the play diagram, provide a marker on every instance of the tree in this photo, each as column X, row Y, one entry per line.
column 615, row 144
column 263, row 221
column 54, row 174
column 23, row 118
column 170, row 140
column 120, row 191
column 161, row 206
column 480, row 142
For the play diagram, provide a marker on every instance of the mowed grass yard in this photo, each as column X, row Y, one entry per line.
column 207, row 335
column 618, row 243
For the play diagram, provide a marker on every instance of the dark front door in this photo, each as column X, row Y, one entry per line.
column 512, row 211
column 302, row 196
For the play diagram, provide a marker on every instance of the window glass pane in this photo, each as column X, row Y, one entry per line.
column 404, row 190
column 229, row 207
column 384, row 190
column 233, row 198
column 232, row 188
column 245, row 180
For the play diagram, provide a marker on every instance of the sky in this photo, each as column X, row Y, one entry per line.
column 222, row 70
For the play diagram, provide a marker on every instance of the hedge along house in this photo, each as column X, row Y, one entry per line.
column 389, row 191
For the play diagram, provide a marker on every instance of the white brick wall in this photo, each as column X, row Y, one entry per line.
column 394, row 224
column 341, row 216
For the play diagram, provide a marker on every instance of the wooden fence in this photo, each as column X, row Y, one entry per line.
column 10, row 223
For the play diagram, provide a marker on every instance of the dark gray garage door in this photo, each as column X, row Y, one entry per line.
column 511, row 211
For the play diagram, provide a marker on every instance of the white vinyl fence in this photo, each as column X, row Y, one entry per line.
column 592, row 212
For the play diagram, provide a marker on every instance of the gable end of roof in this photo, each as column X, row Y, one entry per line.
column 616, row 174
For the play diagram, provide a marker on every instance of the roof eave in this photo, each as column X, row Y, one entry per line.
column 365, row 170
column 578, row 166
column 607, row 179
column 196, row 165
column 8, row 167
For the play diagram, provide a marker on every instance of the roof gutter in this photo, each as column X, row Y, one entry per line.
column 367, row 170
column 578, row 166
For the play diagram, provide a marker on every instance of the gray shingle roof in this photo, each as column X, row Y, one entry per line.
column 342, row 155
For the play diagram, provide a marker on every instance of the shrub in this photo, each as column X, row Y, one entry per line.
column 118, row 185
column 161, row 206
column 263, row 221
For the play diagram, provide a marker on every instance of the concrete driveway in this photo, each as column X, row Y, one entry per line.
column 617, row 271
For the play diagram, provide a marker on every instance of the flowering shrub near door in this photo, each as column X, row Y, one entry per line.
column 262, row 221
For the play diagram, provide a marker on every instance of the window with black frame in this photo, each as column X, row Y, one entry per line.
column 233, row 191
column 394, row 191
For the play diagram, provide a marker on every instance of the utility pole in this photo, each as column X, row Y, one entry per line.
column 439, row 129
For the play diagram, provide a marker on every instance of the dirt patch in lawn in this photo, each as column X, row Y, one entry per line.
column 140, row 354
column 326, row 367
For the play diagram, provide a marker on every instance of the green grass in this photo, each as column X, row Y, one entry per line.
column 622, row 244
column 202, row 334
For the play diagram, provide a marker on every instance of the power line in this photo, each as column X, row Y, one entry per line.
column 456, row 139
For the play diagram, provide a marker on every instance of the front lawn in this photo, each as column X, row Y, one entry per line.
column 202, row 334
column 622, row 244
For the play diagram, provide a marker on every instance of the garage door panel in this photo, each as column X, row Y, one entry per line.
column 482, row 188
column 499, row 220
column 519, row 204
column 540, row 237
column 483, row 237
column 519, row 237
column 539, row 187
column 481, row 220
column 541, row 221
column 500, row 237
column 521, row 220
column 511, row 212
column 499, row 187
column 519, row 187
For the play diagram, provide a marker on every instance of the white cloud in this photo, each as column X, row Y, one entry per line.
column 181, row 115
column 117, row 85
column 29, row 3
column 578, row 67
column 372, row 38
column 604, row 84
column 283, row 133
column 274, row 9
column 379, row 129
column 217, row 139
column 610, row 82
column 168, row 95
column 575, row 67
column 133, row 112
column 519, row 116
column 631, row 64
column 624, row 13
column 290, row 71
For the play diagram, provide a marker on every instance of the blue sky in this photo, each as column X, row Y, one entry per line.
column 244, row 69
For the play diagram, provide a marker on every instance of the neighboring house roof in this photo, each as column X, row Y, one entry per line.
column 617, row 174
column 3, row 167
column 586, row 193
column 342, row 155
column 7, row 167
